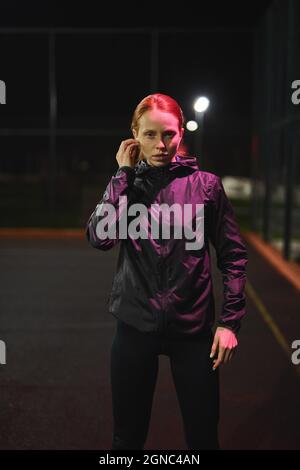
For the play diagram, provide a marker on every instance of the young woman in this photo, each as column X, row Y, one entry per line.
column 162, row 290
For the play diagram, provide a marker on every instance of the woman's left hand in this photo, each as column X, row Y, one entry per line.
column 224, row 345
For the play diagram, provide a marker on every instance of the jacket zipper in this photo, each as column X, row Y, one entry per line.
column 162, row 322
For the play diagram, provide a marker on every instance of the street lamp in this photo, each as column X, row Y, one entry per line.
column 200, row 106
column 192, row 126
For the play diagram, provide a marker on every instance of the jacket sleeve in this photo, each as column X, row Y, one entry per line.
column 119, row 185
column 231, row 256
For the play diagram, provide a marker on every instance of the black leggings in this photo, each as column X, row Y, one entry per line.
column 134, row 368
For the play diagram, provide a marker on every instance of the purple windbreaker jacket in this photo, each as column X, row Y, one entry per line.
column 160, row 285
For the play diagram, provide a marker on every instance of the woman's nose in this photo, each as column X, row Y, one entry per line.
column 161, row 144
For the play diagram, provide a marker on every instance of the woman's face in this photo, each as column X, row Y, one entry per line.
column 159, row 136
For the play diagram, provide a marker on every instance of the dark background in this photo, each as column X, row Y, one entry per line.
column 100, row 78
column 242, row 55
column 55, row 391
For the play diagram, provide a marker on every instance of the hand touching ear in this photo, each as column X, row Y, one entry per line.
column 128, row 152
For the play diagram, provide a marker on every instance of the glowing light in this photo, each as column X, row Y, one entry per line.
column 192, row 126
column 201, row 104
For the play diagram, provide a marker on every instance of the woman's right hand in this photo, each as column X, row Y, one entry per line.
column 128, row 153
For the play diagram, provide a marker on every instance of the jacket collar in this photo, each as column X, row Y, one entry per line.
column 180, row 161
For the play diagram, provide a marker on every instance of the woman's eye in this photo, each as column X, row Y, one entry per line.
column 149, row 134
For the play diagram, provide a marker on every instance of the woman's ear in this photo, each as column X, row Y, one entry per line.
column 134, row 133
